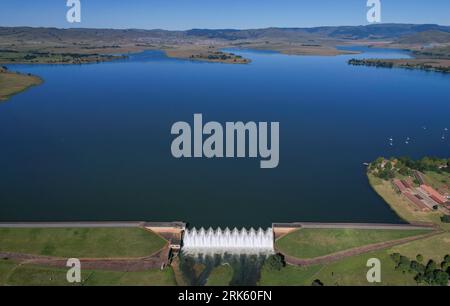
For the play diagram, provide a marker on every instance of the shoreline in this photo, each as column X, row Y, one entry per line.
column 16, row 83
column 431, row 65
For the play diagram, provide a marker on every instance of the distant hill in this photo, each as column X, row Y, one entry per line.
column 426, row 32
column 424, row 38
column 229, row 34
column 375, row 31
column 79, row 34
column 383, row 31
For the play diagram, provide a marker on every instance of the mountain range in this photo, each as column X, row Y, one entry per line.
column 373, row 32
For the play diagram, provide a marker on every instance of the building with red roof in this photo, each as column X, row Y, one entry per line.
column 435, row 195
column 399, row 185
column 415, row 199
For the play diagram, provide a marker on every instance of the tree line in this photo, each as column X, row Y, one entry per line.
column 430, row 274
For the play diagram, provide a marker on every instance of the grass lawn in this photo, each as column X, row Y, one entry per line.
column 288, row 276
column 350, row 271
column 310, row 243
column 5, row 269
column 13, row 83
column 145, row 278
column 28, row 275
column 81, row 242
column 220, row 276
column 435, row 248
column 439, row 181
column 353, row 271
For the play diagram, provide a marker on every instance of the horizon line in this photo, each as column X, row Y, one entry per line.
column 220, row 29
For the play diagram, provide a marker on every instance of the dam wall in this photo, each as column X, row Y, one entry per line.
column 228, row 241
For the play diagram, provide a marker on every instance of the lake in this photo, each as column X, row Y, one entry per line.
column 93, row 142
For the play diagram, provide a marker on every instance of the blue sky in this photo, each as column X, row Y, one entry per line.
column 239, row 14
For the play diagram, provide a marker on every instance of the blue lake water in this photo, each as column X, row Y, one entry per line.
column 93, row 142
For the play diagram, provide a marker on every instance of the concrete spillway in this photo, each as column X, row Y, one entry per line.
column 228, row 241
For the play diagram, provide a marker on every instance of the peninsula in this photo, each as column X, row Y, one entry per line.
column 429, row 50
column 12, row 83
column 418, row 191
column 436, row 65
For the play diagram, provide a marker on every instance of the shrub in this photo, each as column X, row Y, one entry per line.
column 445, row 218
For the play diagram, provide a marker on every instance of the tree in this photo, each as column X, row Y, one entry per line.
column 417, row 267
column 419, row 257
column 445, row 265
column 404, row 171
column 388, row 165
column 445, row 218
column 440, row 278
column 431, row 266
column 407, row 161
column 419, row 278
column 317, row 283
column 379, row 160
column 404, row 264
column 276, row 262
column 429, row 277
column 447, row 258
column 396, row 257
column 430, row 274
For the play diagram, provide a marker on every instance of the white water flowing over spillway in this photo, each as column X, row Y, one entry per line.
column 228, row 241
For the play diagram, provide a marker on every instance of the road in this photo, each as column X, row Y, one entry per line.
column 373, row 226
column 71, row 224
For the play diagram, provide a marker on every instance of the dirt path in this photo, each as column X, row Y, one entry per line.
column 352, row 252
column 154, row 261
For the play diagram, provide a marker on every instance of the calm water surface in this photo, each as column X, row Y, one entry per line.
column 93, row 142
